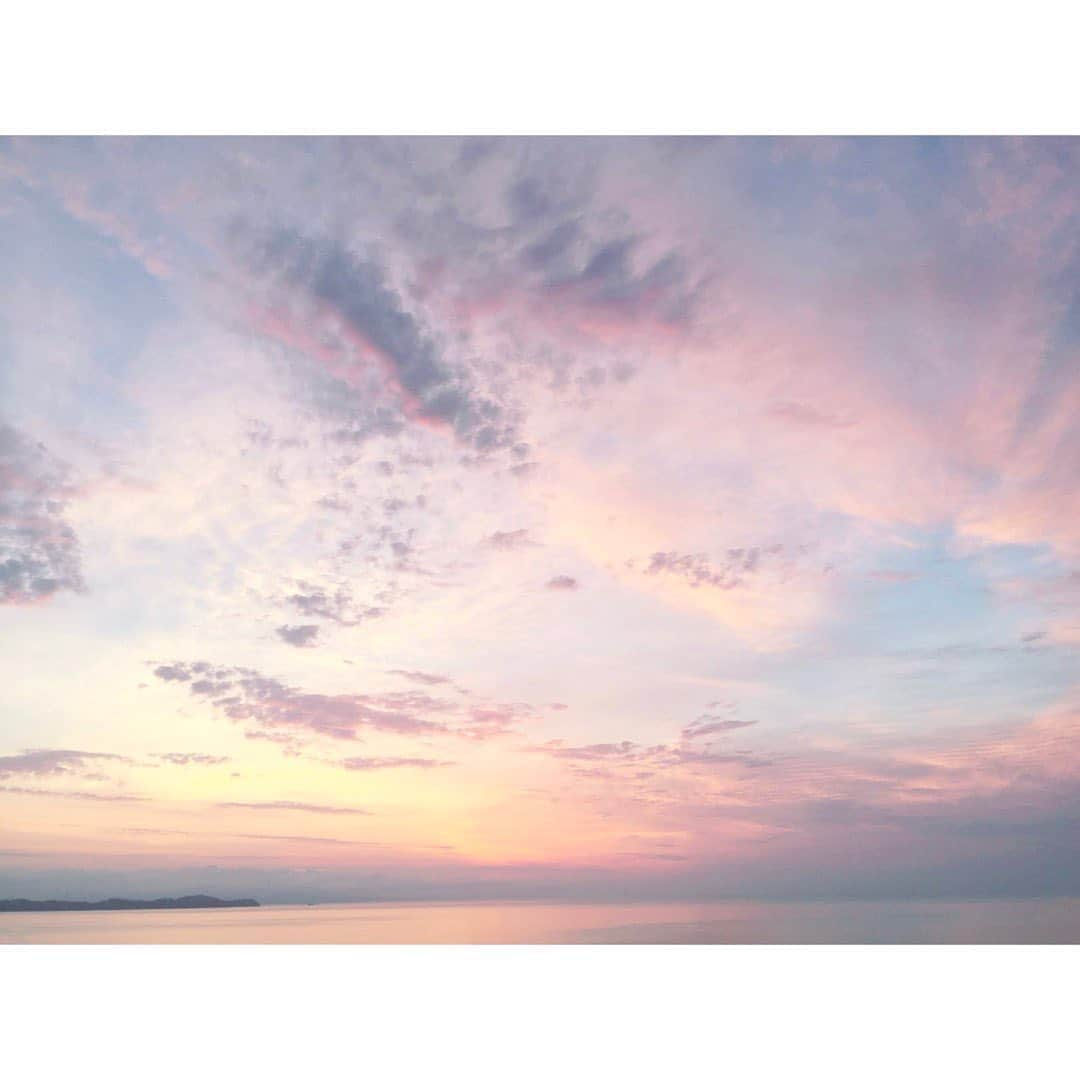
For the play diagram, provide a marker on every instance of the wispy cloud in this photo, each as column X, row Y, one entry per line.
column 424, row 677
column 289, row 805
column 176, row 758
column 367, row 764
column 52, row 762
column 89, row 796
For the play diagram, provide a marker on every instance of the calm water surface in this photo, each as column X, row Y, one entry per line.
column 848, row 922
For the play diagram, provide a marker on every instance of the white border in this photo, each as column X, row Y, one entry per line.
column 544, row 1012
column 566, row 66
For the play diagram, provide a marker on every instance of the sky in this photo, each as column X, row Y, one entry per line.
column 539, row 518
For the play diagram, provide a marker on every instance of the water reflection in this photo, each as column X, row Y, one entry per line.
column 913, row 922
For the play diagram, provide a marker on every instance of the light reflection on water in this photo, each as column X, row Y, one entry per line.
column 737, row 922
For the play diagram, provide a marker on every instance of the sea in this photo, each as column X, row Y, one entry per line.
column 952, row 922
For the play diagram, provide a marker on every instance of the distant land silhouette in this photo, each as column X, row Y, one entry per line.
column 118, row 904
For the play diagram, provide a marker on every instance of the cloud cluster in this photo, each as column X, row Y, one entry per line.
column 265, row 704
column 39, row 551
column 698, row 570
column 272, row 710
column 337, row 606
column 338, row 308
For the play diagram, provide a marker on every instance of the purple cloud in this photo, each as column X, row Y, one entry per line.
column 737, row 565
column 509, row 541
column 562, row 583
column 337, row 606
column 338, row 308
column 39, row 551
column 247, row 697
column 301, row 637
column 713, row 725
column 52, row 762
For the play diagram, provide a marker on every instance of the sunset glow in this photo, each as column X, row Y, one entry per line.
column 545, row 518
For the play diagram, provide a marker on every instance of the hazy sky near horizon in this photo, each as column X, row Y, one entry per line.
column 539, row 517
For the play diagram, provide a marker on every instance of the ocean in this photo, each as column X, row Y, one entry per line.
column 728, row 922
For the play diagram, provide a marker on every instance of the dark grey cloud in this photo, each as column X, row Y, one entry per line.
column 555, row 246
column 611, row 279
column 353, row 310
column 301, row 637
column 475, row 150
column 39, row 551
column 529, row 200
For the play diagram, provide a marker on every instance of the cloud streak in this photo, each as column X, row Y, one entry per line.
column 291, row 806
column 369, row 764
column 52, row 762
